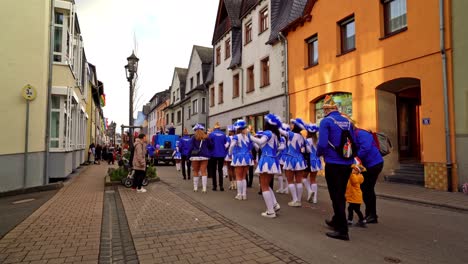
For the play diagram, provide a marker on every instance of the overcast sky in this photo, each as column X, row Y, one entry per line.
column 165, row 33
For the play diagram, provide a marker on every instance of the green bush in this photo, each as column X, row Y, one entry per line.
column 151, row 172
column 118, row 174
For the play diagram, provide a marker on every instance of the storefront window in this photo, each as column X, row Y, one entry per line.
column 343, row 101
column 256, row 121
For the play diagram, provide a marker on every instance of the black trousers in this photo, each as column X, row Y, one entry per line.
column 216, row 165
column 186, row 161
column 353, row 207
column 337, row 177
column 368, row 188
column 138, row 179
column 249, row 177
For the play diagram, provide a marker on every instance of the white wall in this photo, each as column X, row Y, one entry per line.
column 194, row 67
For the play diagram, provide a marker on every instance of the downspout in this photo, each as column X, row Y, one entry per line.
column 448, row 149
column 286, row 90
column 242, row 84
column 49, row 92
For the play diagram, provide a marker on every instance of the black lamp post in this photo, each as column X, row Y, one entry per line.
column 130, row 71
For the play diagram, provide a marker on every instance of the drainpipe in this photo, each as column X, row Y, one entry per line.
column 286, row 80
column 49, row 93
column 242, row 84
column 448, row 149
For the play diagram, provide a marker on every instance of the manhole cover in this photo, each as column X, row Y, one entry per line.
column 392, row 260
column 23, row 201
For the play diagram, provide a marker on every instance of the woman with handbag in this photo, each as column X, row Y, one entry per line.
column 200, row 150
column 240, row 149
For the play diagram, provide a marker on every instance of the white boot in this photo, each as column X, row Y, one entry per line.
column 239, row 190
column 286, row 189
column 244, row 189
column 314, row 191
column 225, row 171
column 299, row 192
column 280, row 184
column 204, row 182
column 306, row 183
column 276, row 205
column 270, row 213
column 195, row 183
column 178, row 166
column 292, row 189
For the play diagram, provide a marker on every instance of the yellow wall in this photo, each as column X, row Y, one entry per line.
column 24, row 53
column 413, row 54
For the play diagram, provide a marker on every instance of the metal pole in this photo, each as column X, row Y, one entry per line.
column 130, row 80
column 26, row 145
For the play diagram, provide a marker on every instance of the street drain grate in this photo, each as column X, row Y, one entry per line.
column 23, row 201
column 392, row 260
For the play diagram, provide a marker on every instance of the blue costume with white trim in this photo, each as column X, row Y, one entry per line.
column 294, row 160
column 177, row 155
column 282, row 150
column 269, row 161
column 315, row 161
column 241, row 147
column 228, row 143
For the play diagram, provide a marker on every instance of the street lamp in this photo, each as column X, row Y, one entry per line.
column 130, row 71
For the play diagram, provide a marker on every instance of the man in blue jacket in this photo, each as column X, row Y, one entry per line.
column 184, row 147
column 218, row 154
column 372, row 160
column 337, row 168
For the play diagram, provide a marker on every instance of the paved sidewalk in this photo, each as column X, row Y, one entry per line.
column 417, row 194
column 67, row 228
column 170, row 227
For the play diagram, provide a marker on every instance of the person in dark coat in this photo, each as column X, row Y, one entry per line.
column 200, row 151
column 98, row 152
column 337, row 168
column 218, row 155
column 184, row 147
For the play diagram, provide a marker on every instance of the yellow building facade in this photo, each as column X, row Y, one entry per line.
column 382, row 63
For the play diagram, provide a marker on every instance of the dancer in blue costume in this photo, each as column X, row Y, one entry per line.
column 283, row 150
column 200, row 151
column 241, row 150
column 294, row 163
column 227, row 161
column 314, row 163
column 269, row 165
column 177, row 157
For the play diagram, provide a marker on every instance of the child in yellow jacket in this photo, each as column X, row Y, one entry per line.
column 354, row 195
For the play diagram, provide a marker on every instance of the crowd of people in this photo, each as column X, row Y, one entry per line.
column 294, row 153
column 106, row 152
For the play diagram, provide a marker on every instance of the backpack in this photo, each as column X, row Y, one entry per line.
column 382, row 142
column 347, row 149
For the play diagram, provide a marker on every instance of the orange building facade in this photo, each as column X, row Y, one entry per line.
column 160, row 116
column 382, row 63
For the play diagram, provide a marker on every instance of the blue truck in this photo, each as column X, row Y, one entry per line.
column 164, row 146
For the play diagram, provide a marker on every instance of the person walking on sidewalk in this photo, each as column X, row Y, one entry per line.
column 184, row 147
column 269, row 165
column 354, row 195
column 139, row 163
column 219, row 139
column 337, row 167
column 371, row 158
column 240, row 148
column 294, row 163
column 200, row 150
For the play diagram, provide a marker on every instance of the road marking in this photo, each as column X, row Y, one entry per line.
column 23, row 201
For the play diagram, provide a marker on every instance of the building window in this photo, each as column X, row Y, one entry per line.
column 212, row 97
column 394, row 15
column 235, row 86
column 256, row 121
column 178, row 93
column 348, row 35
column 191, row 83
column 67, row 124
column 167, row 117
column 343, row 101
column 248, row 32
column 179, row 117
column 220, row 93
column 60, row 37
column 312, row 51
column 195, row 106
column 265, row 77
column 198, row 78
column 173, row 97
column 203, row 105
column 263, row 20
column 218, row 55
column 227, row 49
column 250, row 79
column 189, row 111
column 172, row 118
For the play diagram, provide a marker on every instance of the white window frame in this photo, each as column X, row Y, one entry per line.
column 68, row 31
column 195, row 107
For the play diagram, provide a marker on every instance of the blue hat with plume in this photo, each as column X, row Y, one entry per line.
column 286, row 127
column 312, row 128
column 259, row 133
column 198, row 127
column 231, row 128
column 273, row 119
column 299, row 123
column 240, row 124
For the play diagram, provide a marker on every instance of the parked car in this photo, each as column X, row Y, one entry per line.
column 165, row 146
